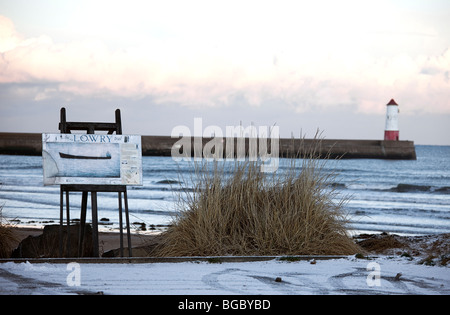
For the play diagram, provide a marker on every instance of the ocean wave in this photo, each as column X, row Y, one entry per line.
column 443, row 190
column 410, row 188
column 400, row 188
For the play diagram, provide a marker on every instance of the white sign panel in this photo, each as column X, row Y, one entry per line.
column 92, row 159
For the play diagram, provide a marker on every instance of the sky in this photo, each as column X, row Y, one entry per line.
column 302, row 65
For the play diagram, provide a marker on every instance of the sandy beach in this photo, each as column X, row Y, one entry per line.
column 434, row 249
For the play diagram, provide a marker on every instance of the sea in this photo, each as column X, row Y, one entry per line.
column 407, row 197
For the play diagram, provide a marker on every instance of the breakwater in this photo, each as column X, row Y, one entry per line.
column 31, row 144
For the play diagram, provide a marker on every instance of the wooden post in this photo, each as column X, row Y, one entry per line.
column 61, row 216
column 120, row 224
column 94, row 222
column 127, row 217
column 62, row 124
column 84, row 198
column 68, row 224
column 118, row 122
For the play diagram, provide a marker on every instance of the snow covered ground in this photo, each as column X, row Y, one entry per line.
column 383, row 275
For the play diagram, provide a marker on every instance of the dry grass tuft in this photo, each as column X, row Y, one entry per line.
column 7, row 238
column 247, row 212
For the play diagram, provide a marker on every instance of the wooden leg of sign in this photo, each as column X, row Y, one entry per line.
column 61, row 216
column 84, row 198
column 68, row 223
column 128, row 223
column 120, row 224
column 94, row 223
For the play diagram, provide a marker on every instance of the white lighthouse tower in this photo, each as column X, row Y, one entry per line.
column 391, row 131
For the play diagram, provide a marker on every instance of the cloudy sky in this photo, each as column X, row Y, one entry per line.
column 303, row 65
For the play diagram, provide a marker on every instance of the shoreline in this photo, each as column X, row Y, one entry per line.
column 151, row 229
column 424, row 249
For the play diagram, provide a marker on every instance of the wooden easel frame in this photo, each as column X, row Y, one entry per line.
column 90, row 128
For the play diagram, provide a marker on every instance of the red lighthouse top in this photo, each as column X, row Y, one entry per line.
column 392, row 102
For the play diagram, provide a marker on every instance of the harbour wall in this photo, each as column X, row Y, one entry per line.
column 31, row 144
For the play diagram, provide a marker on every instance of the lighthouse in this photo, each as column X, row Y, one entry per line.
column 391, row 131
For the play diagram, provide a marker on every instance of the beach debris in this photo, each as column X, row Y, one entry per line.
column 105, row 221
column 397, row 276
column 278, row 279
column 140, row 226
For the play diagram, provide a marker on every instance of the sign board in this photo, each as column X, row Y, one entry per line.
column 92, row 159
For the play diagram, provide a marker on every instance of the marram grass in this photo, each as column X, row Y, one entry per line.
column 7, row 238
column 248, row 212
